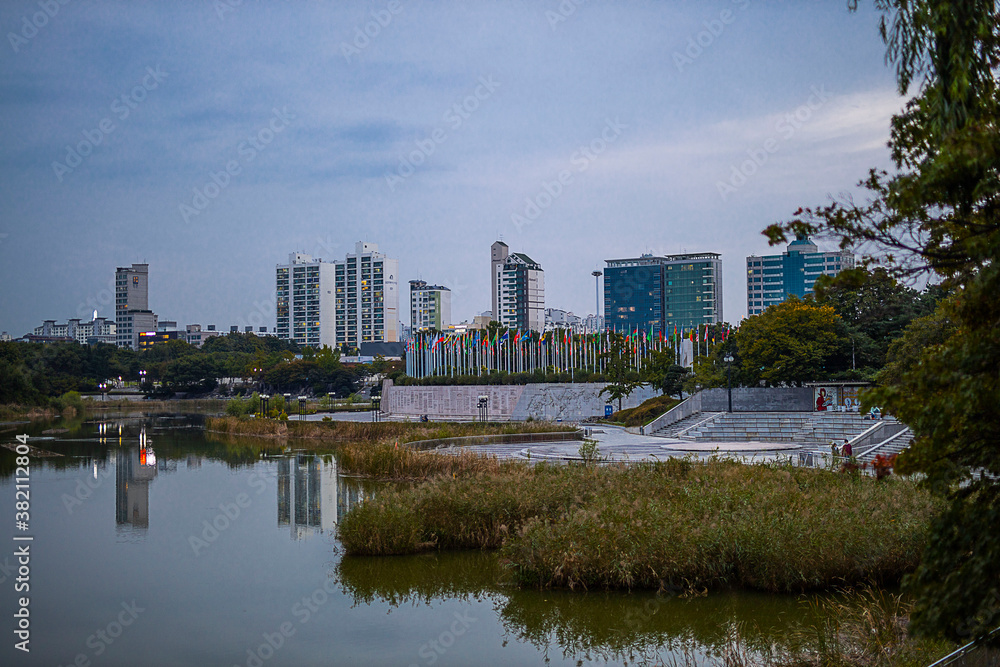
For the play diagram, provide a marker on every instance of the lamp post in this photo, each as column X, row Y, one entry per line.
column 103, row 387
column 729, row 377
column 376, row 408
column 597, row 303
column 484, row 402
column 142, row 379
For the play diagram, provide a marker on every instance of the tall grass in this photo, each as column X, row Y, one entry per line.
column 673, row 525
column 351, row 431
column 388, row 460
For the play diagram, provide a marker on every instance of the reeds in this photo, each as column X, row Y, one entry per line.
column 674, row 525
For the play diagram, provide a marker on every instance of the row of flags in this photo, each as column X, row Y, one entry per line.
column 472, row 352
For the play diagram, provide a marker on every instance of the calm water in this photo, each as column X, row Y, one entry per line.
column 156, row 545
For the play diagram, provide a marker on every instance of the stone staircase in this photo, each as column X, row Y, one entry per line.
column 826, row 426
column 679, row 427
column 798, row 427
column 745, row 426
column 888, row 447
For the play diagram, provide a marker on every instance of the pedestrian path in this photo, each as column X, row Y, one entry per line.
column 616, row 445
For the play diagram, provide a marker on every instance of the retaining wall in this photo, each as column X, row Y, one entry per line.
column 548, row 401
column 759, row 399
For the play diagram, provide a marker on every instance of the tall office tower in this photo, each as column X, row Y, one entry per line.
column 518, row 289
column 305, row 301
column 132, row 313
column 651, row 293
column 773, row 278
column 430, row 307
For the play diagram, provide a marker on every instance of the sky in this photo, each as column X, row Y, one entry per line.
column 211, row 138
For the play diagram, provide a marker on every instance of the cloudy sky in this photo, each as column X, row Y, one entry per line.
column 210, row 138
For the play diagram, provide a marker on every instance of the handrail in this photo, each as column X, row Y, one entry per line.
column 960, row 652
column 859, row 436
column 711, row 417
column 690, row 406
column 883, row 443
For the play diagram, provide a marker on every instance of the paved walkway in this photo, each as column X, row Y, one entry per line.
column 614, row 444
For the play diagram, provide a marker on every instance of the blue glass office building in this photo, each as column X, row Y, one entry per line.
column 773, row 278
column 651, row 293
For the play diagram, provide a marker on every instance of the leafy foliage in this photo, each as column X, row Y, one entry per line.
column 940, row 214
column 789, row 343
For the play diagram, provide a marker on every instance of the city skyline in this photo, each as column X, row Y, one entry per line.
column 610, row 132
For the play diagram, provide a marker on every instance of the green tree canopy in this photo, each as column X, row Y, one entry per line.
column 789, row 343
column 940, row 214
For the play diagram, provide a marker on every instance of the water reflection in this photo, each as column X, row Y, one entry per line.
column 615, row 626
column 311, row 495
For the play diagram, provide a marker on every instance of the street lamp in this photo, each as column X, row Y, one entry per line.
column 597, row 303
column 103, row 387
column 484, row 407
column 142, row 378
column 729, row 377
column 376, row 408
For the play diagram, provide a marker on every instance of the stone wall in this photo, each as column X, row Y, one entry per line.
column 550, row 401
column 759, row 399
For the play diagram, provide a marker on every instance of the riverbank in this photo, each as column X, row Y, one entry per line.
column 679, row 524
column 371, row 432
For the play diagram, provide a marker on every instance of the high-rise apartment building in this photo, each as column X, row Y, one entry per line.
column 304, row 299
column 652, row 293
column 430, row 307
column 518, row 289
column 773, row 278
column 344, row 302
column 132, row 313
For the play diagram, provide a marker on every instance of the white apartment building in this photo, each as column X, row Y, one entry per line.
column 350, row 301
column 305, row 301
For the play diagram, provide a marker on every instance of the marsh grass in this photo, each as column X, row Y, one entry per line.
column 675, row 525
column 372, row 432
column 862, row 627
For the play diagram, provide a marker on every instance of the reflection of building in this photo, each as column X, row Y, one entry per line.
column 311, row 497
column 135, row 468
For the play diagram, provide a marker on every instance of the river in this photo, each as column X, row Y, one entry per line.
column 154, row 543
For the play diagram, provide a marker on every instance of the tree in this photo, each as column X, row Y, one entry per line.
column 789, row 343
column 875, row 308
column 940, row 214
column 622, row 377
column 666, row 375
